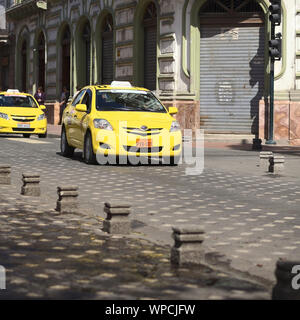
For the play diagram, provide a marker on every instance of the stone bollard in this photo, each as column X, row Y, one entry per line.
column 288, row 281
column 117, row 220
column 256, row 145
column 31, row 185
column 276, row 164
column 5, row 171
column 67, row 199
column 188, row 247
column 265, row 157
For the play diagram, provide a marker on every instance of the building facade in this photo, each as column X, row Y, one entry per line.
column 6, row 52
column 207, row 57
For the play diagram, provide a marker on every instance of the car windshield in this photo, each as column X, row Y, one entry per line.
column 128, row 100
column 17, row 101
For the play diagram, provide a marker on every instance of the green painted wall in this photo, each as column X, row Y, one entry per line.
column 194, row 75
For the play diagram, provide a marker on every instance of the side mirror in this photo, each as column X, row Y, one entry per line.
column 43, row 107
column 173, row 110
column 81, row 108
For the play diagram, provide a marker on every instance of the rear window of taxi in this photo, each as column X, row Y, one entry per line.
column 13, row 100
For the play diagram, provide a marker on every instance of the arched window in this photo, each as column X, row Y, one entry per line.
column 86, row 37
column 41, row 61
column 66, row 58
column 107, row 63
column 24, row 66
column 150, row 46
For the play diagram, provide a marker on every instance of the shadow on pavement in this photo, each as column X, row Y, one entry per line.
column 285, row 150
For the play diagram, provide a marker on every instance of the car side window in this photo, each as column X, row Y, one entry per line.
column 88, row 100
column 78, row 98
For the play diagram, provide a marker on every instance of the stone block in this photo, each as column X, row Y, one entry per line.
column 256, row 145
column 276, row 164
column 187, row 249
column 286, row 287
column 31, row 185
column 67, row 199
column 117, row 219
column 265, row 157
column 5, row 171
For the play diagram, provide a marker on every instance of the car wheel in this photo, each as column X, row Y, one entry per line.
column 43, row 135
column 26, row 135
column 88, row 152
column 65, row 148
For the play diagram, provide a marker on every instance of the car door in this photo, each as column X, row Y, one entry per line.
column 70, row 119
column 81, row 118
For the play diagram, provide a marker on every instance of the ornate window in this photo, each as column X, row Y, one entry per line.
column 232, row 7
column 150, row 14
column 108, row 24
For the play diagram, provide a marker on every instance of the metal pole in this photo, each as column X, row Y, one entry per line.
column 271, row 115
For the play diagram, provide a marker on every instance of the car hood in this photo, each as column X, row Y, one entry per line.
column 136, row 119
column 19, row 111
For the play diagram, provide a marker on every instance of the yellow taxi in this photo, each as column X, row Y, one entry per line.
column 119, row 120
column 21, row 113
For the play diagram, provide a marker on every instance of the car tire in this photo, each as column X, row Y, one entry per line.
column 88, row 152
column 65, row 149
column 43, row 135
column 26, row 135
column 171, row 161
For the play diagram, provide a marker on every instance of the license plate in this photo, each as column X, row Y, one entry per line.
column 24, row 125
column 144, row 143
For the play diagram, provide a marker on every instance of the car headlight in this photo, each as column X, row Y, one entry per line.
column 174, row 126
column 41, row 117
column 102, row 124
column 4, row 116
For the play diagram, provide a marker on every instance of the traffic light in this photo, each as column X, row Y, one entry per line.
column 275, row 12
column 275, row 47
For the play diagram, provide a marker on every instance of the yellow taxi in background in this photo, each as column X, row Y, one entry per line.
column 120, row 120
column 21, row 113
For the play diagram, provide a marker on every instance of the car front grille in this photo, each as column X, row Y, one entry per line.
column 142, row 150
column 23, row 118
column 144, row 133
column 23, row 129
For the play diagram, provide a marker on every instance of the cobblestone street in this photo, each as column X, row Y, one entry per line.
column 250, row 218
column 50, row 256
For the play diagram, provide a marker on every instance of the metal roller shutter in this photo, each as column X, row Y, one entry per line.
column 231, row 77
column 107, row 58
column 150, row 57
column 65, row 67
column 88, row 62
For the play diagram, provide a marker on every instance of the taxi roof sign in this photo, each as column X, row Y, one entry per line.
column 122, row 84
column 13, row 91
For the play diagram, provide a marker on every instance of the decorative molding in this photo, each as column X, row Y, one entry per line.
column 129, row 5
column 168, row 76
column 127, row 61
column 165, row 36
column 124, row 43
column 167, row 56
column 124, row 25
